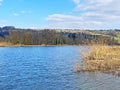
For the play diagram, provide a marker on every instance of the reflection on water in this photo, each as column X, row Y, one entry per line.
column 49, row 68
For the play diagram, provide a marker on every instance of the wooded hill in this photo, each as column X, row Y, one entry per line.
column 58, row 37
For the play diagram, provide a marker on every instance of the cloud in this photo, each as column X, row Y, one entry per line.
column 63, row 18
column 15, row 14
column 91, row 14
column 74, row 25
column 21, row 13
column 25, row 12
column 71, row 22
column 76, row 1
column 3, row 22
column 1, row 2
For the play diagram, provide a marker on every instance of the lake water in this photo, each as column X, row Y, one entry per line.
column 49, row 68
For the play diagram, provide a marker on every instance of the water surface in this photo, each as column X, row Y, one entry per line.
column 49, row 68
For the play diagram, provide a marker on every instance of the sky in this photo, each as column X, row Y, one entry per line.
column 63, row 14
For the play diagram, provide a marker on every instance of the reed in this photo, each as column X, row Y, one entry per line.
column 4, row 44
column 102, row 58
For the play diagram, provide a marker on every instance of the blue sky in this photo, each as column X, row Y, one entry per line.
column 82, row 14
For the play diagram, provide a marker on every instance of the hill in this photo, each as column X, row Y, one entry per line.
column 10, row 34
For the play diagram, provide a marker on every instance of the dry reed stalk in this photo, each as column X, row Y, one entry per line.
column 102, row 58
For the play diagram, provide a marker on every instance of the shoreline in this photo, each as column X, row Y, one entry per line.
column 36, row 45
column 20, row 45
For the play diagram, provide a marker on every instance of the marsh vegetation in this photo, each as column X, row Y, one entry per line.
column 105, row 59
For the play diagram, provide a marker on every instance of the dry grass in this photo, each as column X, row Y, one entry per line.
column 102, row 58
column 4, row 44
column 7, row 44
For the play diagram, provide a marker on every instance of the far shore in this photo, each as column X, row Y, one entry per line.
column 34, row 45
column 4, row 44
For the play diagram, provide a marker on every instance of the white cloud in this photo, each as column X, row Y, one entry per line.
column 15, row 14
column 21, row 13
column 92, row 13
column 3, row 22
column 74, row 25
column 1, row 2
column 25, row 12
column 76, row 1
column 69, row 21
column 63, row 18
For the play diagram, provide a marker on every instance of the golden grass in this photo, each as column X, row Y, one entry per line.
column 102, row 58
column 7, row 44
column 4, row 44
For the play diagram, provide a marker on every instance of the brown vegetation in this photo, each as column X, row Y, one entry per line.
column 102, row 58
column 56, row 37
column 7, row 44
column 4, row 44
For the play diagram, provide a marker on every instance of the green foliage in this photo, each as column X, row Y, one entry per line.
column 118, row 38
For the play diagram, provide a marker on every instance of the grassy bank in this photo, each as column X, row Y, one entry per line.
column 118, row 38
column 102, row 58
column 7, row 44
column 4, row 44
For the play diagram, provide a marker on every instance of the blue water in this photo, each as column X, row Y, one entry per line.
column 49, row 68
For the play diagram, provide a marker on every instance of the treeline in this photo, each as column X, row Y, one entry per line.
column 53, row 37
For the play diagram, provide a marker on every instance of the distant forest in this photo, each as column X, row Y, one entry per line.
column 58, row 37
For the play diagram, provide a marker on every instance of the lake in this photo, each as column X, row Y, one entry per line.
column 49, row 68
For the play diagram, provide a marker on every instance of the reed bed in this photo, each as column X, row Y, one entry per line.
column 101, row 58
column 4, row 44
column 7, row 44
